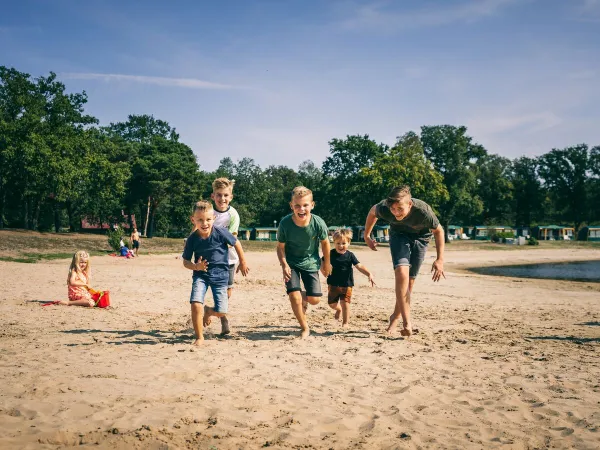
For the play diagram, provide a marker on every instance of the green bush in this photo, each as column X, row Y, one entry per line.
column 532, row 241
column 114, row 239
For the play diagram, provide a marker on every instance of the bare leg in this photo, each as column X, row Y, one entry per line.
column 337, row 308
column 78, row 303
column 345, row 313
column 210, row 312
column 224, row 321
column 402, row 308
column 197, row 313
column 296, row 302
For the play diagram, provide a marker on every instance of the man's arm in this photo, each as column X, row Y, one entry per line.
column 369, row 224
column 438, row 265
column 326, row 264
column 287, row 272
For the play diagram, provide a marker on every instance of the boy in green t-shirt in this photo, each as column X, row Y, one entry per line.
column 299, row 236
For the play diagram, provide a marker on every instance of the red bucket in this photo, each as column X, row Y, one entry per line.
column 101, row 299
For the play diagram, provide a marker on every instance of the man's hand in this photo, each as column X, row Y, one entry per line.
column 202, row 265
column 243, row 267
column 371, row 243
column 287, row 273
column 326, row 269
column 438, row 270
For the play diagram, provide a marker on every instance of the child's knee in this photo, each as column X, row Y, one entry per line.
column 333, row 305
column 313, row 300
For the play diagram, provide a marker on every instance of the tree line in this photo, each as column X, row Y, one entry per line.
column 59, row 166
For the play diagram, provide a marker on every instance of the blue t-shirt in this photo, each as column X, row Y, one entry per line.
column 213, row 249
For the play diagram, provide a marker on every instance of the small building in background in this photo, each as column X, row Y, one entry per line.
column 265, row 234
column 485, row 232
column 589, row 233
column 553, row 233
column 244, row 234
column 455, row 232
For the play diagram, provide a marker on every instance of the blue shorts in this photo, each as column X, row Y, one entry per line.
column 407, row 251
column 231, row 275
column 200, row 288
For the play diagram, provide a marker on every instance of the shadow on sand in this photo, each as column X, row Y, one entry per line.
column 576, row 340
column 154, row 337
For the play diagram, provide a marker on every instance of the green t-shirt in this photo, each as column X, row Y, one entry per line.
column 302, row 243
column 417, row 224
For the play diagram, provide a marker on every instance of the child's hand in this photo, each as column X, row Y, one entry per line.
column 243, row 267
column 326, row 269
column 202, row 265
column 372, row 280
column 287, row 273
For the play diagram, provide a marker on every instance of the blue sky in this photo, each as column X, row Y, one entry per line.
column 275, row 80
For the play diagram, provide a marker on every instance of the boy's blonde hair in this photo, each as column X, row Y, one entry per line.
column 77, row 257
column 203, row 206
column 301, row 191
column 343, row 233
column 223, row 183
column 398, row 194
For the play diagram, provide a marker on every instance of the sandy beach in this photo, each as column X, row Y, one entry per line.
column 499, row 362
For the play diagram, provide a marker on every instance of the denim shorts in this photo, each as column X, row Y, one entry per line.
column 231, row 275
column 200, row 288
column 407, row 251
column 311, row 281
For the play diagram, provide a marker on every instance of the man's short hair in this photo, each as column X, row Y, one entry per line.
column 203, row 206
column 223, row 183
column 301, row 191
column 398, row 194
column 343, row 233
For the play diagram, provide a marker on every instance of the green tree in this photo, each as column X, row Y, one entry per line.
column 565, row 176
column 454, row 154
column 347, row 191
column 528, row 195
column 405, row 163
column 495, row 189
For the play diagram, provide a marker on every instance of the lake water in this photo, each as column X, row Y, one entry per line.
column 575, row 271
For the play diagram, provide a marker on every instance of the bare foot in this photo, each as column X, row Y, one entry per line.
column 304, row 333
column 391, row 329
column 225, row 326
column 346, row 325
column 206, row 319
column 338, row 313
column 407, row 332
column 198, row 342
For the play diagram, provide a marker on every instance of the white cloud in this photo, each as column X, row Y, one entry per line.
column 534, row 122
column 375, row 16
column 189, row 83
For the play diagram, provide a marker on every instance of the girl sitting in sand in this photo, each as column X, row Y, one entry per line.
column 80, row 293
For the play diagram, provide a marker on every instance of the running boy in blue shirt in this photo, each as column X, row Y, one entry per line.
column 209, row 245
column 299, row 236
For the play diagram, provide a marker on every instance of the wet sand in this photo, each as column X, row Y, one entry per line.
column 498, row 362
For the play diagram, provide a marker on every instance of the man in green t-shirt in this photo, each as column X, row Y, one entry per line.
column 412, row 223
column 299, row 236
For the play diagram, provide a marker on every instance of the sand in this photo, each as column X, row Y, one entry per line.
column 498, row 362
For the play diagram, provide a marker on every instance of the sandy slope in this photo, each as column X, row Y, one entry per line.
column 499, row 362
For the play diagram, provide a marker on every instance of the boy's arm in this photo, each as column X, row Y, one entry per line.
column 287, row 272
column 243, row 267
column 202, row 265
column 326, row 265
column 438, row 265
column 362, row 269
column 369, row 224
